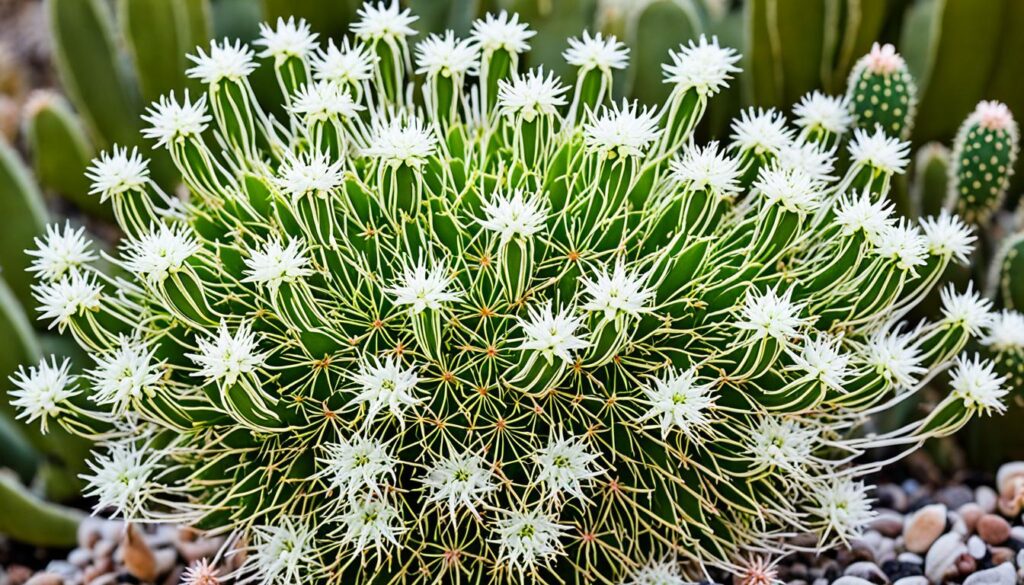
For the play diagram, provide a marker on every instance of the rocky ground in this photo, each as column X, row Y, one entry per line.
column 972, row 535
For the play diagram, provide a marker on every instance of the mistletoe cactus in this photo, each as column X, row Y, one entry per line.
column 446, row 320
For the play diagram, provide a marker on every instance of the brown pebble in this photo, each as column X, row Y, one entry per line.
column 923, row 527
column 970, row 513
column 1002, row 554
column 966, row 564
column 46, row 579
column 993, row 529
column 138, row 557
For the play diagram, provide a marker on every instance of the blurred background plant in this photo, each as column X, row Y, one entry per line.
column 76, row 74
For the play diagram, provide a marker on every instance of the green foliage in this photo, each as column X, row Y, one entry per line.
column 21, row 200
column 930, row 188
column 28, row 519
column 983, row 158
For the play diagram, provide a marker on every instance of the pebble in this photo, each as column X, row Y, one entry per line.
column 909, row 557
column 46, row 578
column 993, row 529
column 888, row 523
column 867, row 571
column 986, row 498
column 970, row 513
column 1017, row 533
column 977, row 547
column 913, row 580
column 851, row 581
column 1003, row 574
column 955, row 496
column 1009, row 476
column 896, row 570
column 891, row 496
column 923, row 527
column 1002, row 554
column 942, row 557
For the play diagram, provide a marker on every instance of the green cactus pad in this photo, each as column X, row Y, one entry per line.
column 882, row 93
column 1011, row 273
column 984, row 154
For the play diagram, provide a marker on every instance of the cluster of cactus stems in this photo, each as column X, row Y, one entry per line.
column 447, row 320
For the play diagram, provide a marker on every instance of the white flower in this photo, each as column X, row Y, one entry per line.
column 819, row 111
column 323, row 101
column 948, row 236
column 782, row 443
column 552, row 335
column 371, row 521
column 904, row 244
column 531, row 95
column 446, row 56
column 43, row 391
column 275, row 264
column 225, row 61
column 424, row 289
column 125, row 374
column 75, row 294
column 398, row 142
column 596, row 52
column 170, row 121
column 881, row 60
column 116, row 172
column 122, row 479
column 977, row 385
column 896, row 357
column 459, row 480
column 993, row 115
column 664, row 572
column 385, row 385
column 703, row 66
column 60, row 252
column 501, row 32
column 527, row 538
column 707, row 168
column 823, row 360
column 384, row 22
column 312, row 173
column 224, row 358
column 761, row 131
column 1006, row 331
column 618, row 293
column 359, row 464
column 621, row 130
column 679, row 401
column 865, row 214
column 343, row 64
column 513, row 216
column 768, row 314
column 968, row 310
column 288, row 39
column 157, row 254
column 843, row 506
column 810, row 158
column 564, row 465
column 793, row 189
column 282, row 553
column 879, row 150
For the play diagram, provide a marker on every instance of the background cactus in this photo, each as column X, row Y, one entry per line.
column 397, row 332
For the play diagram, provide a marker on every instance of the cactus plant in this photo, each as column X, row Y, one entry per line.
column 983, row 157
column 881, row 92
column 386, row 339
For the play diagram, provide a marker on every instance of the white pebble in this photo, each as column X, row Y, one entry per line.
column 942, row 555
column 977, row 547
column 1001, row 575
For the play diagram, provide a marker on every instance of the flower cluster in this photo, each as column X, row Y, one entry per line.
column 443, row 316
